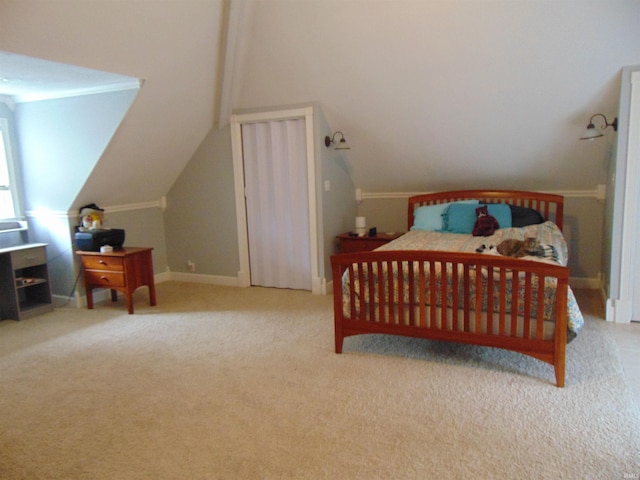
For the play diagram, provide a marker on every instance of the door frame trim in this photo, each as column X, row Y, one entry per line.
column 237, row 120
column 625, row 229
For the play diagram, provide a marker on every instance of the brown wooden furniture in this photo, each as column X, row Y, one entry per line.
column 434, row 309
column 123, row 270
column 350, row 244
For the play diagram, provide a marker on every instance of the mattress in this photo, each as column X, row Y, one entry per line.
column 548, row 234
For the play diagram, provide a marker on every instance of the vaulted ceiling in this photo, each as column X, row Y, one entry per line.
column 429, row 93
column 172, row 45
column 29, row 79
column 435, row 94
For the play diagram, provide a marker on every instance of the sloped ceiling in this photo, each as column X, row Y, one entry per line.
column 29, row 79
column 454, row 93
column 171, row 45
column 430, row 94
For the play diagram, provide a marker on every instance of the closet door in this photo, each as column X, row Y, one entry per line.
column 624, row 285
column 277, row 203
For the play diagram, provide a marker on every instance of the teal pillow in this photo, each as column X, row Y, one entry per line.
column 460, row 218
column 430, row 217
column 502, row 213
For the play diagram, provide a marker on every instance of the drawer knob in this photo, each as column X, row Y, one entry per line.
column 103, row 277
column 102, row 262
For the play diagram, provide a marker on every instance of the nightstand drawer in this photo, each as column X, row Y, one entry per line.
column 351, row 244
column 104, row 278
column 94, row 262
column 361, row 246
column 28, row 258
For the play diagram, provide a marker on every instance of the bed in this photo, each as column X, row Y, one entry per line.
column 440, row 282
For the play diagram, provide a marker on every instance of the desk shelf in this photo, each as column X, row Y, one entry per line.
column 20, row 299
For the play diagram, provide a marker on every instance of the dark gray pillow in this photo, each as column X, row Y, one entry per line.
column 523, row 216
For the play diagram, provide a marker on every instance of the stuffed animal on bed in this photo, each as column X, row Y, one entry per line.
column 485, row 224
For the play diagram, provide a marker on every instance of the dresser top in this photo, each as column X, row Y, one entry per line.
column 26, row 246
column 117, row 252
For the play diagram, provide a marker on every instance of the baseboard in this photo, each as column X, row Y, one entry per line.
column 585, row 283
column 68, row 301
column 162, row 277
column 325, row 288
column 80, row 301
column 318, row 286
column 202, row 278
column 104, row 294
column 618, row 310
column 321, row 287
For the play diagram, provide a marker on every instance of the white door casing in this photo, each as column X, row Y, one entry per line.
column 275, row 173
column 244, row 274
column 624, row 284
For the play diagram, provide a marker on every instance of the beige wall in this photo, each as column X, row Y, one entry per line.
column 439, row 95
column 430, row 94
column 200, row 218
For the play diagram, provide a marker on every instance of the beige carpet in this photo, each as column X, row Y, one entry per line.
column 227, row 383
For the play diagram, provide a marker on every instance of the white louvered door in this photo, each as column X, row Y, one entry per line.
column 277, row 203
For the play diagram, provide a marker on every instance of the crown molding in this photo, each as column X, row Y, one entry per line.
column 112, row 209
column 598, row 193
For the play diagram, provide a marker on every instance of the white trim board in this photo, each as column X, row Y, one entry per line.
column 623, row 306
column 161, row 203
column 597, row 193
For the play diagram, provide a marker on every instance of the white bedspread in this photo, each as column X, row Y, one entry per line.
column 547, row 234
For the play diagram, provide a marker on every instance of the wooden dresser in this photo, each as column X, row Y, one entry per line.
column 350, row 244
column 124, row 270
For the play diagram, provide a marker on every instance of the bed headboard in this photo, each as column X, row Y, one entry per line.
column 551, row 206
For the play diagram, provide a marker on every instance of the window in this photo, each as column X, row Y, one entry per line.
column 9, row 205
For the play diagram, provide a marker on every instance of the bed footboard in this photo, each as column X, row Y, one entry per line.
column 486, row 300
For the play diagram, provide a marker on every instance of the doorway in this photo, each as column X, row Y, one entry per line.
column 624, row 286
column 276, row 198
column 632, row 195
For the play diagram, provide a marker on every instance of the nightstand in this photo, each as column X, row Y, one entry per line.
column 349, row 244
column 123, row 270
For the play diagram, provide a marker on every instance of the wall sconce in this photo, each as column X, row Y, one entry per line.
column 340, row 145
column 592, row 131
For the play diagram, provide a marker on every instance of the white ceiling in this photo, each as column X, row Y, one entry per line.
column 444, row 94
column 173, row 45
column 429, row 94
column 25, row 79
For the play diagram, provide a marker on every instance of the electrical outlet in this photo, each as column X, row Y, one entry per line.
column 191, row 265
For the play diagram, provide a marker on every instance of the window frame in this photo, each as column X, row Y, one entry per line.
column 17, row 222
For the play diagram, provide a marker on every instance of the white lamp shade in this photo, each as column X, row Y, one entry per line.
column 590, row 133
column 342, row 145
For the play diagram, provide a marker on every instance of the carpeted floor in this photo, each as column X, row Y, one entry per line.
column 228, row 383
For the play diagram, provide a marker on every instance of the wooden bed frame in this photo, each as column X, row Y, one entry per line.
column 432, row 312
